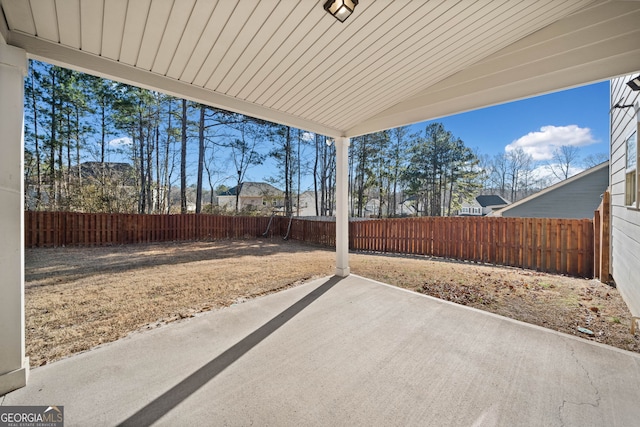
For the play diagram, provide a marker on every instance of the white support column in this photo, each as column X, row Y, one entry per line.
column 14, row 366
column 342, row 207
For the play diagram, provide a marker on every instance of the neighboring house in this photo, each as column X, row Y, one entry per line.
column 307, row 204
column 624, row 189
column 470, row 208
column 372, row 208
column 491, row 203
column 576, row 197
column 253, row 196
column 406, row 208
column 307, row 207
column 123, row 173
column 482, row 205
column 263, row 196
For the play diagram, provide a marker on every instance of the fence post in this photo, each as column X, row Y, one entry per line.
column 603, row 239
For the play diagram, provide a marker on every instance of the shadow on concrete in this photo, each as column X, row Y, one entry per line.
column 181, row 391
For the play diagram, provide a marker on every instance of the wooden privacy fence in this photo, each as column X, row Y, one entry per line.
column 552, row 245
column 311, row 231
column 51, row 229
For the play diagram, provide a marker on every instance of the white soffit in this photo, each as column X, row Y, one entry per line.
column 391, row 63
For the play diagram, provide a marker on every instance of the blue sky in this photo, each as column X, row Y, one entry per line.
column 578, row 116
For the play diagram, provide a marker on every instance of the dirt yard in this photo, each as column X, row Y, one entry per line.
column 78, row 298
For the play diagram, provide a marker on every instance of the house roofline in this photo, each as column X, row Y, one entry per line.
column 554, row 187
column 506, row 202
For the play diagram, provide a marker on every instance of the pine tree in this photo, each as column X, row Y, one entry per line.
column 440, row 171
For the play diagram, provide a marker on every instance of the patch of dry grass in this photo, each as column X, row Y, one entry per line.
column 77, row 298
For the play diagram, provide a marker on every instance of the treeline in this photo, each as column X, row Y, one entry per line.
column 426, row 173
column 515, row 175
column 94, row 145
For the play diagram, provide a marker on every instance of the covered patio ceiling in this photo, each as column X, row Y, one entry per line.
column 391, row 63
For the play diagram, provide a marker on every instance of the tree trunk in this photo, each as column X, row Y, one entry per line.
column 142, row 195
column 166, row 185
column 77, row 129
column 68, row 172
column 238, row 189
column 103, row 144
column 201, row 149
column 287, row 172
column 53, row 196
column 37, row 144
column 150, row 148
column 315, row 174
column 103, row 130
column 183, row 161
column 299, row 174
column 157, row 207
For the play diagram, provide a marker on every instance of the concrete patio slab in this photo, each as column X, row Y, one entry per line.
column 343, row 352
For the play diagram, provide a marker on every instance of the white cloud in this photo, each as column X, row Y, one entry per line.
column 308, row 136
column 121, row 142
column 541, row 144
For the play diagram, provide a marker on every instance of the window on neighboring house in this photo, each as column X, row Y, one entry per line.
column 465, row 210
column 631, row 171
column 476, row 211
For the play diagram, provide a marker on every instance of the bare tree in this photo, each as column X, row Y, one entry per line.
column 244, row 152
column 594, row 159
column 397, row 152
column 210, row 119
column 283, row 153
column 324, row 174
column 498, row 174
column 563, row 158
column 32, row 94
column 213, row 174
column 519, row 173
column 316, row 162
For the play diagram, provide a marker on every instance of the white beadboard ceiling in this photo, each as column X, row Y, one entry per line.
column 391, row 63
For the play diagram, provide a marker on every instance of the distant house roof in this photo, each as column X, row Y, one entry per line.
column 95, row 168
column 491, row 200
column 120, row 171
column 254, row 189
column 576, row 197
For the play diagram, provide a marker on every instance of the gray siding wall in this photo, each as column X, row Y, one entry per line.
column 578, row 199
column 625, row 222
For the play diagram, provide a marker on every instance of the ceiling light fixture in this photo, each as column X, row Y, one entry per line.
column 340, row 9
column 634, row 83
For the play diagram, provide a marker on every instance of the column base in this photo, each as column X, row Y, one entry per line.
column 15, row 379
column 343, row 272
